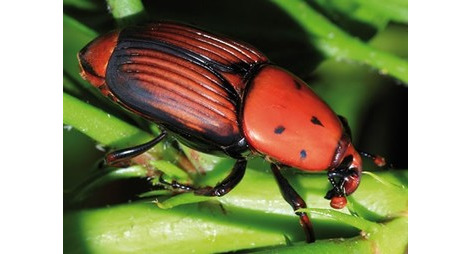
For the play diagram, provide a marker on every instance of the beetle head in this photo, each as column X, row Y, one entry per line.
column 94, row 57
column 345, row 178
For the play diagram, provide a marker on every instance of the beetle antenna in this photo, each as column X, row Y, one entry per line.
column 377, row 159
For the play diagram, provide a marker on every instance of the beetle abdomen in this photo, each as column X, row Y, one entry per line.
column 190, row 84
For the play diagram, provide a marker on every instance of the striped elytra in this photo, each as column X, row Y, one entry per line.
column 185, row 79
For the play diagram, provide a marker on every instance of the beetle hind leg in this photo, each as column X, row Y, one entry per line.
column 121, row 157
column 295, row 201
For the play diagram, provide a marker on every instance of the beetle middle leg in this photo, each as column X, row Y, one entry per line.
column 295, row 201
column 122, row 156
column 226, row 185
column 176, row 185
column 222, row 188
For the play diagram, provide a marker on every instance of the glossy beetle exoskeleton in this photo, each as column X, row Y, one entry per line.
column 222, row 96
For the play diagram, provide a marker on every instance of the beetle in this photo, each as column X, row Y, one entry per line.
column 222, row 96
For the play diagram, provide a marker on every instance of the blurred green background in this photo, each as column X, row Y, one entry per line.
column 374, row 101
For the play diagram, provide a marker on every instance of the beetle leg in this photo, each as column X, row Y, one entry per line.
column 119, row 157
column 295, row 201
column 220, row 189
column 176, row 185
column 228, row 183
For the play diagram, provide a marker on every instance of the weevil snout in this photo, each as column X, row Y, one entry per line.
column 345, row 178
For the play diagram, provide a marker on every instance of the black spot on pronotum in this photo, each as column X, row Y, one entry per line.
column 303, row 154
column 279, row 129
column 315, row 120
column 297, row 85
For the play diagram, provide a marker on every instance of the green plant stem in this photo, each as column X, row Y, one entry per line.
column 373, row 12
column 336, row 43
column 100, row 126
column 113, row 132
column 83, row 4
column 357, row 222
column 102, row 177
column 392, row 238
column 76, row 36
column 127, row 12
column 253, row 215
column 396, row 10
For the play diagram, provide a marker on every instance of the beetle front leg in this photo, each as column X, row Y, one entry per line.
column 118, row 157
column 295, row 201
